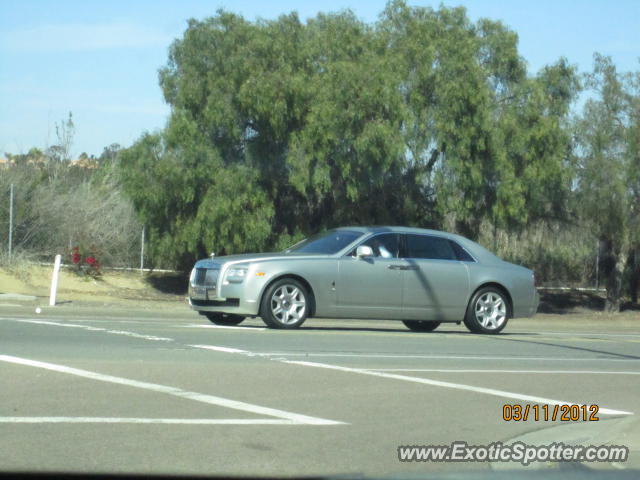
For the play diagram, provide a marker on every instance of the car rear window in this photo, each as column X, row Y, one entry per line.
column 428, row 246
column 461, row 253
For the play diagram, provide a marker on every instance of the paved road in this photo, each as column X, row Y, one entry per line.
column 104, row 390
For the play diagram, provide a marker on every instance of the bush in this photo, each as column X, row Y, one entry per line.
column 73, row 206
column 560, row 255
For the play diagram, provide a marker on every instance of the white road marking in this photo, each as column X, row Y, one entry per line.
column 170, row 421
column 444, row 357
column 456, row 386
column 426, row 381
column 279, row 356
column 56, row 324
column 92, row 329
column 221, row 349
column 248, row 328
column 581, row 334
column 452, row 370
column 176, row 392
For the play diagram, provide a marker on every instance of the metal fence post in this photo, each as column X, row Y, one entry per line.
column 142, row 252
column 10, row 220
column 598, row 265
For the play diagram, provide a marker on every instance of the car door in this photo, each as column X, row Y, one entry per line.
column 371, row 287
column 436, row 283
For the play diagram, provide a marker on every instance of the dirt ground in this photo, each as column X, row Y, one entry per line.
column 112, row 287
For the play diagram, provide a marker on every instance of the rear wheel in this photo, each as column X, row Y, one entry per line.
column 421, row 325
column 488, row 311
column 224, row 318
column 285, row 304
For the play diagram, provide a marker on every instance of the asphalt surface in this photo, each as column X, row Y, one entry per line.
column 163, row 391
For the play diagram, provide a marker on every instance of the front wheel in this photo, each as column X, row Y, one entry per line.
column 487, row 311
column 224, row 318
column 285, row 304
column 421, row 325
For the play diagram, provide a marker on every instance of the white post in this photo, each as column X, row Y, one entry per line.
column 10, row 220
column 54, row 280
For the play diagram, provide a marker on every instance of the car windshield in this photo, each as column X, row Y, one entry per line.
column 325, row 242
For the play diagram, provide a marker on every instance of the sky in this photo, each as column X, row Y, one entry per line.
column 100, row 59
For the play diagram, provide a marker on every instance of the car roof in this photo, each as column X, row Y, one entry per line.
column 395, row 229
column 477, row 250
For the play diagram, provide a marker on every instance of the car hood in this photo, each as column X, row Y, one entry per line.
column 251, row 257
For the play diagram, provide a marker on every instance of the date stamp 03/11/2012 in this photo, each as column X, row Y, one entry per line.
column 516, row 412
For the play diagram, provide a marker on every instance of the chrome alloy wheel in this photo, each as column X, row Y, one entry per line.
column 288, row 304
column 491, row 311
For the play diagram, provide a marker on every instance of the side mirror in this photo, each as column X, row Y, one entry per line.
column 364, row 251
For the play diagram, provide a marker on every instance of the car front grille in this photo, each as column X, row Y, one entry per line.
column 206, row 277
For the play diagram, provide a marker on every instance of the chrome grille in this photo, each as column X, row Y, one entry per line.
column 206, row 277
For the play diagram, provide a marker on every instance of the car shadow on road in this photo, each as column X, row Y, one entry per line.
column 403, row 330
column 568, row 347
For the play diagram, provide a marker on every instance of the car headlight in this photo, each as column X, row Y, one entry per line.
column 236, row 274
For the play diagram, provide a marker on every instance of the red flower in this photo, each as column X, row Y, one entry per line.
column 91, row 260
column 76, row 258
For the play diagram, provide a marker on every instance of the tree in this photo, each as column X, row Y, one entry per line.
column 65, row 131
column 421, row 118
column 109, row 154
column 486, row 140
column 608, row 175
column 191, row 204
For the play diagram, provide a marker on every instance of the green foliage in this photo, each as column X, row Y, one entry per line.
column 608, row 136
column 280, row 128
column 192, row 203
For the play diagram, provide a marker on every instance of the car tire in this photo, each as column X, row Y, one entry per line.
column 285, row 304
column 224, row 318
column 421, row 325
column 488, row 311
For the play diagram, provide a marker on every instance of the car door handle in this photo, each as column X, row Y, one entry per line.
column 401, row 267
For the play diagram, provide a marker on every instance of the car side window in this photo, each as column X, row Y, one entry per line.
column 386, row 245
column 428, row 246
column 461, row 253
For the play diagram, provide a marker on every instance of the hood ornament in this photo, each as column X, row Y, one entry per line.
column 213, row 254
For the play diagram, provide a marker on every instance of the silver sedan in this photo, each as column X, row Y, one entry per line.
column 421, row 277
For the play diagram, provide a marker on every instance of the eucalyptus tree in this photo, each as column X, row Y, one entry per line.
column 280, row 128
column 485, row 140
column 608, row 175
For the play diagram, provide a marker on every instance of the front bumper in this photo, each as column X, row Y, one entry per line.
column 231, row 306
column 236, row 300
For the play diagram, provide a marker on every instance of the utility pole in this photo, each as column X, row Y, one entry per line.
column 10, row 220
column 598, row 265
column 142, row 252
